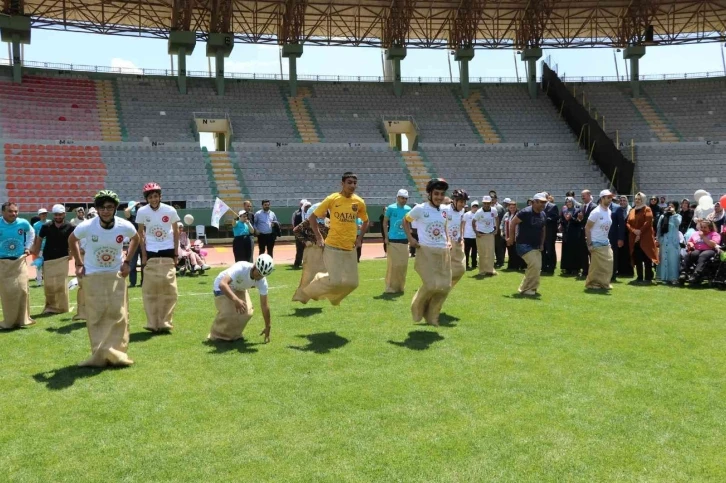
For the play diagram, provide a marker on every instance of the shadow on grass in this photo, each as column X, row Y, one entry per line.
column 446, row 320
column 418, row 340
column 483, row 276
column 42, row 316
column 65, row 377
column 67, row 329
column 388, row 296
column 144, row 336
column 321, row 343
column 240, row 345
column 536, row 297
column 597, row 291
column 305, row 312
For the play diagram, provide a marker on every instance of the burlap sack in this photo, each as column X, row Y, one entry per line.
column 341, row 277
column 80, row 302
column 55, row 284
column 159, row 293
column 396, row 267
column 107, row 319
column 312, row 265
column 434, row 267
column 485, row 247
column 228, row 324
column 458, row 262
column 533, row 259
column 14, row 294
column 601, row 268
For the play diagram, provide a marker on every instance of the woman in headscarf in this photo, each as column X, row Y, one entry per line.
column 571, row 236
column 625, row 267
column 669, row 244
column 656, row 209
column 686, row 215
column 717, row 217
column 643, row 252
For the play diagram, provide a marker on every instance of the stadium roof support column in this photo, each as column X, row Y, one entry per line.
column 181, row 39
column 221, row 41
column 531, row 56
column 395, row 36
column 15, row 29
column 182, row 44
column 292, row 35
column 633, row 54
column 462, row 36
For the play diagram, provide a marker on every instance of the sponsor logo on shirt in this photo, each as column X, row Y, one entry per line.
column 105, row 256
column 158, row 232
column 94, row 238
column 345, row 217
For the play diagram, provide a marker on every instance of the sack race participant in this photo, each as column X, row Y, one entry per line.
column 103, row 272
column 527, row 231
column 597, row 232
column 339, row 254
column 433, row 256
column 455, row 226
column 16, row 240
column 159, row 234
column 312, row 263
column 232, row 298
column 53, row 240
column 80, row 303
column 485, row 223
column 394, row 236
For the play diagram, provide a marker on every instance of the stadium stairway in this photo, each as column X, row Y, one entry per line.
column 303, row 117
column 417, row 170
column 657, row 122
column 107, row 113
column 40, row 175
column 223, row 169
column 479, row 119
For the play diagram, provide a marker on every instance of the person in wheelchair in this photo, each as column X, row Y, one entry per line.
column 701, row 248
column 190, row 255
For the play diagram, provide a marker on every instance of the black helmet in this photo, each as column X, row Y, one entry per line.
column 460, row 195
column 436, row 184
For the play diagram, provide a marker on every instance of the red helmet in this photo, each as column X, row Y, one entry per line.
column 150, row 187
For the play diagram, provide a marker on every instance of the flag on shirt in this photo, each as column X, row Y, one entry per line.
column 219, row 210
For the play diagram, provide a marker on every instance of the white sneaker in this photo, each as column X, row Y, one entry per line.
column 206, row 267
column 197, row 268
column 530, row 293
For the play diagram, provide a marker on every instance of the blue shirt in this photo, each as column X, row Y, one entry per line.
column 359, row 223
column 263, row 221
column 36, row 228
column 15, row 237
column 395, row 217
column 311, row 210
column 531, row 227
column 240, row 228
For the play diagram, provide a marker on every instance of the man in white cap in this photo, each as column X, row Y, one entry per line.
column 52, row 238
column 597, row 231
column 42, row 220
column 395, row 236
column 297, row 218
column 486, row 223
column 470, row 236
column 527, row 230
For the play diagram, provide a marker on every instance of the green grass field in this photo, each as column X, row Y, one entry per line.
column 629, row 386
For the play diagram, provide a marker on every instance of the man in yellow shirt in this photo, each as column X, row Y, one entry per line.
column 339, row 254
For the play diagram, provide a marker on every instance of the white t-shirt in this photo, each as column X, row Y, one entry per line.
column 430, row 223
column 104, row 248
column 486, row 221
column 601, row 218
column 453, row 222
column 468, row 227
column 159, row 226
column 241, row 275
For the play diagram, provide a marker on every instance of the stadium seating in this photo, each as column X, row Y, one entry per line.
column 678, row 169
column 514, row 170
column 41, row 174
column 285, row 174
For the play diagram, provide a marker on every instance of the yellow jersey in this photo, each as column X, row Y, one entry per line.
column 343, row 215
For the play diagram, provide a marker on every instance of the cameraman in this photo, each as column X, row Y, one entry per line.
column 243, row 243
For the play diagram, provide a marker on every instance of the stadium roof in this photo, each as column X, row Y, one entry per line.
column 427, row 24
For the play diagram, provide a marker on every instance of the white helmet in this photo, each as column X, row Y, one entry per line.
column 265, row 264
column 58, row 209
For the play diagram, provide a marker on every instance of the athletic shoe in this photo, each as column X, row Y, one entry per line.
column 206, row 267
column 529, row 293
column 196, row 268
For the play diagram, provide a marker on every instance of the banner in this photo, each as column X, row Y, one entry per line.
column 219, row 210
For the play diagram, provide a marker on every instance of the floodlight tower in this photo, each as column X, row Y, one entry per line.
column 395, row 36
column 181, row 39
column 532, row 26
column 221, row 40
column 292, row 36
column 462, row 36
